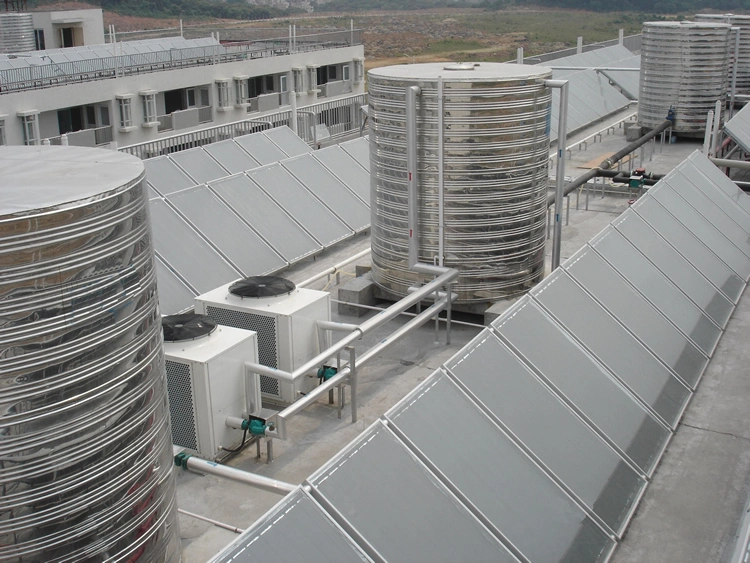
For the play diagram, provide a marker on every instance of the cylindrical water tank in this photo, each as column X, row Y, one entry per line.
column 743, row 68
column 684, row 66
column 495, row 148
column 85, row 443
column 16, row 33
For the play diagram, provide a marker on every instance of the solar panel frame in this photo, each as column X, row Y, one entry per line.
column 240, row 244
column 330, row 190
column 185, row 251
column 285, row 235
column 504, row 484
column 584, row 384
column 199, row 165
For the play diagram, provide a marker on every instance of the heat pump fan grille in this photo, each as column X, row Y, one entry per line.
column 261, row 286
column 186, row 327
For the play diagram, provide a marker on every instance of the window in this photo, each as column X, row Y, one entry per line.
column 104, row 116
column 345, row 72
column 2, row 132
column 39, row 39
column 204, row 97
column 225, row 94
column 191, row 98
column 298, row 79
column 149, row 107
column 312, row 78
column 283, row 83
column 30, row 123
column 124, row 104
column 240, row 90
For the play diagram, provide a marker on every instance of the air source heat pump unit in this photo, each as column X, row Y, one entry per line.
column 285, row 319
column 205, row 366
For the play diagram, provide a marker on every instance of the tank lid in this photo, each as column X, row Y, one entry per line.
column 470, row 72
column 42, row 177
column 459, row 66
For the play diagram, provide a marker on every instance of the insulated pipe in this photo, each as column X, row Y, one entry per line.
column 199, row 465
column 293, row 103
column 234, row 529
column 717, row 128
column 441, row 180
column 340, row 377
column 609, row 162
column 411, row 171
column 562, row 137
column 334, row 269
column 707, row 134
column 734, row 70
column 338, row 327
column 744, row 165
column 390, row 313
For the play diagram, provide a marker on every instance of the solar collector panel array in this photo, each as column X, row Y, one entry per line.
column 224, row 211
column 539, row 438
column 591, row 96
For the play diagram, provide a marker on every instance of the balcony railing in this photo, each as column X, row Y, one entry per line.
column 93, row 137
column 338, row 118
column 335, row 88
column 183, row 119
column 34, row 77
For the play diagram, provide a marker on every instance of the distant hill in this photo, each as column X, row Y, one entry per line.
column 230, row 9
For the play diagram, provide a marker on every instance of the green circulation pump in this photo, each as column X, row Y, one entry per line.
column 255, row 427
column 326, row 372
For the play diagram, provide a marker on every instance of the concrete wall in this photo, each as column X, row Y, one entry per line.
column 102, row 91
column 88, row 26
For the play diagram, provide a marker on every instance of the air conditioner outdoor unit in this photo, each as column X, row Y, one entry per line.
column 206, row 381
column 285, row 319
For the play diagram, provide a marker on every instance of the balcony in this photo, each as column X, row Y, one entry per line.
column 94, row 137
column 268, row 102
column 183, row 119
column 335, row 88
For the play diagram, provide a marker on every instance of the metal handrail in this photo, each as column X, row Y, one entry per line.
column 35, row 77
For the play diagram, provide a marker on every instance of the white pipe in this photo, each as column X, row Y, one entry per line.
column 717, row 128
column 733, row 88
column 390, row 313
column 335, row 326
column 293, row 103
column 259, row 481
column 562, row 138
column 441, row 178
column 181, row 35
column 334, row 269
column 341, row 376
column 620, row 36
column 411, row 172
column 744, row 165
column 234, row 529
column 707, row 134
column 579, row 46
column 290, row 38
column 519, row 56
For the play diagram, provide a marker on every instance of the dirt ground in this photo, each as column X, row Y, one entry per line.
column 445, row 34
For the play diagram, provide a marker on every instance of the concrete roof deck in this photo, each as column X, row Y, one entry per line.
column 690, row 512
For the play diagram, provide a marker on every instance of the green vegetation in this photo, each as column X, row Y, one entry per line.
column 452, row 46
column 548, row 27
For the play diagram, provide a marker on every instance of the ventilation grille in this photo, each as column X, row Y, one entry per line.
column 181, row 408
column 264, row 326
column 269, row 386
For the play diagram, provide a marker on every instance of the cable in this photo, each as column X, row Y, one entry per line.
column 238, row 448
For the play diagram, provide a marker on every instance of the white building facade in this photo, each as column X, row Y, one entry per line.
column 121, row 94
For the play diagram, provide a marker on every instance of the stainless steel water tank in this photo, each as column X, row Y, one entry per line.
column 684, row 65
column 16, row 33
column 743, row 69
column 85, row 443
column 496, row 122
